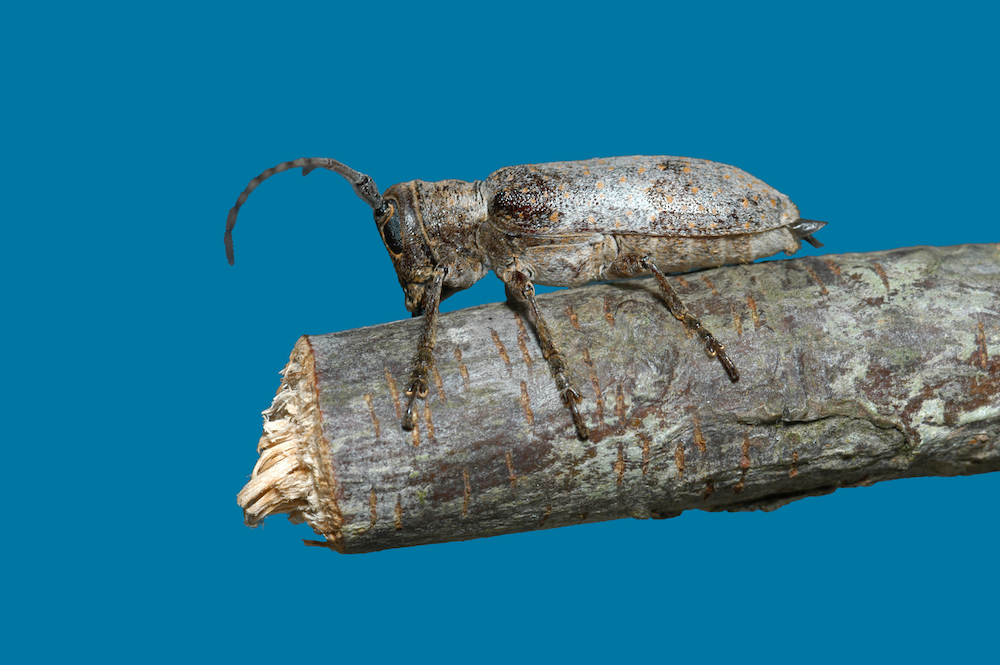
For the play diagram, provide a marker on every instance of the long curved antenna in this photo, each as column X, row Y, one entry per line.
column 363, row 186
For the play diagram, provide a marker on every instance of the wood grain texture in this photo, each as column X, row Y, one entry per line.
column 856, row 368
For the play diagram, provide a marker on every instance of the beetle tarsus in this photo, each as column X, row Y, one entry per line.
column 570, row 398
column 408, row 416
column 718, row 350
column 423, row 360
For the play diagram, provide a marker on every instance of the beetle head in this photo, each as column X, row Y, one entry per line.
column 404, row 237
column 399, row 221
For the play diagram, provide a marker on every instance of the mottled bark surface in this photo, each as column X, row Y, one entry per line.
column 855, row 368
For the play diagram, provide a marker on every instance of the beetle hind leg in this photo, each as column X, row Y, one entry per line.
column 633, row 264
column 677, row 308
column 520, row 288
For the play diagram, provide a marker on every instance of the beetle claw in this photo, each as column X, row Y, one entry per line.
column 408, row 421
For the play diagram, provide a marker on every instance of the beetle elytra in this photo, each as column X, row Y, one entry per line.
column 566, row 224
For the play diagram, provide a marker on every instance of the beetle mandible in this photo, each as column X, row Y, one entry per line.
column 566, row 224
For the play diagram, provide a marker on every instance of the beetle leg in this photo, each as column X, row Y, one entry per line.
column 680, row 312
column 521, row 288
column 629, row 265
column 423, row 360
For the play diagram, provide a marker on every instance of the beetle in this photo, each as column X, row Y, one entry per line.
column 566, row 224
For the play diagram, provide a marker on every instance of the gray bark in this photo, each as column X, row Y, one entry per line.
column 856, row 368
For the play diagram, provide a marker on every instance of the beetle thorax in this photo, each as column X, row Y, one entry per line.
column 436, row 225
column 449, row 212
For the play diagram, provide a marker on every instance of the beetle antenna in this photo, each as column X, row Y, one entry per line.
column 363, row 186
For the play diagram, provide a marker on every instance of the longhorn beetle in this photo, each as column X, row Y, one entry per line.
column 566, row 224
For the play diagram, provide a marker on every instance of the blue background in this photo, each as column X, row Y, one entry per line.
column 138, row 360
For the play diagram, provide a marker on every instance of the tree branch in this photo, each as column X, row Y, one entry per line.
column 856, row 368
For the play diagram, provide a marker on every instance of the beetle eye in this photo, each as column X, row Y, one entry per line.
column 391, row 232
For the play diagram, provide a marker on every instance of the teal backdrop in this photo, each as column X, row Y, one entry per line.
column 138, row 361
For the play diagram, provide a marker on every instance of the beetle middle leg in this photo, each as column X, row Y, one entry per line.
column 423, row 360
column 630, row 265
column 520, row 287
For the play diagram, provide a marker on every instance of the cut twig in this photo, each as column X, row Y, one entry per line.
column 855, row 368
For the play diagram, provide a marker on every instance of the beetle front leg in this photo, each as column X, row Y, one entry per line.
column 520, row 287
column 423, row 360
column 633, row 264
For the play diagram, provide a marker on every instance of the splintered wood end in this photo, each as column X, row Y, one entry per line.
column 289, row 476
